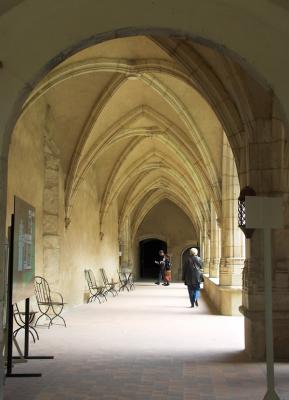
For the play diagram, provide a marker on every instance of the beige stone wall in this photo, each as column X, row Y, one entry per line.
column 225, row 299
column 82, row 246
column 26, row 171
column 61, row 254
column 167, row 222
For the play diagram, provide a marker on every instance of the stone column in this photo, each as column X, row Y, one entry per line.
column 267, row 174
column 51, row 243
column 214, row 245
column 3, row 254
column 206, row 247
column 232, row 246
column 202, row 236
column 125, row 244
column 131, row 265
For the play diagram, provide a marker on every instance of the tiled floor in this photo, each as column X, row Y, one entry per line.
column 145, row 345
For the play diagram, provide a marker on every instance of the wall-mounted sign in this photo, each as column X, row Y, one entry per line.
column 23, row 250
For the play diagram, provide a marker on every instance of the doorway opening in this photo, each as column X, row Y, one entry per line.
column 149, row 250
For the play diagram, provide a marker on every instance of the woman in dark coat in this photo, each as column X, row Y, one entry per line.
column 192, row 276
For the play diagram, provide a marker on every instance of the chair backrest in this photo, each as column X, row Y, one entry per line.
column 90, row 278
column 124, row 274
column 42, row 290
column 120, row 276
column 104, row 276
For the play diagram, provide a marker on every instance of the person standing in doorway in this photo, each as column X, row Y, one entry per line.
column 193, row 276
column 167, row 271
column 161, row 261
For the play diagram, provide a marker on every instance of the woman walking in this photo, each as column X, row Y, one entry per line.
column 193, row 276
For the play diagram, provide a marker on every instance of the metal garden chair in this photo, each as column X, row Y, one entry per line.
column 131, row 281
column 123, row 282
column 19, row 318
column 109, row 285
column 126, row 281
column 50, row 304
column 95, row 290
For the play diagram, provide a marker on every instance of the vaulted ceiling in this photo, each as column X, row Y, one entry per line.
column 146, row 116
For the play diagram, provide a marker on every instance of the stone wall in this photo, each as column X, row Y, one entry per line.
column 225, row 299
column 35, row 175
column 26, row 171
column 83, row 247
column 51, row 210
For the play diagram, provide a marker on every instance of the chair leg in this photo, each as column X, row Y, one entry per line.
column 35, row 331
column 47, row 316
column 109, row 291
column 33, row 338
column 95, row 296
column 58, row 316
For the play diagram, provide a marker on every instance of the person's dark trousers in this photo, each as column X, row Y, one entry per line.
column 160, row 278
column 192, row 294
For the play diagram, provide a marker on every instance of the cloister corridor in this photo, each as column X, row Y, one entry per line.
column 127, row 131
column 142, row 345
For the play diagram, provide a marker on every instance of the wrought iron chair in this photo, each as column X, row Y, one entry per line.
column 131, row 281
column 96, row 291
column 123, row 282
column 19, row 318
column 126, row 281
column 50, row 304
column 110, row 286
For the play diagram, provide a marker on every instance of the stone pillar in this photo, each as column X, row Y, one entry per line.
column 131, row 264
column 232, row 246
column 214, row 245
column 267, row 174
column 202, row 242
column 125, row 244
column 3, row 255
column 51, row 245
column 206, row 247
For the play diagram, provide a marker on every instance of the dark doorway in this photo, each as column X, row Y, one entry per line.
column 149, row 250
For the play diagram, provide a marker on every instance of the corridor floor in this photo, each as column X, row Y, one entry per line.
column 142, row 345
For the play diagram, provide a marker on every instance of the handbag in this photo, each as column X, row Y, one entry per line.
column 201, row 277
column 168, row 276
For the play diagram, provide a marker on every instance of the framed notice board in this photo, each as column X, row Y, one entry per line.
column 23, row 250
